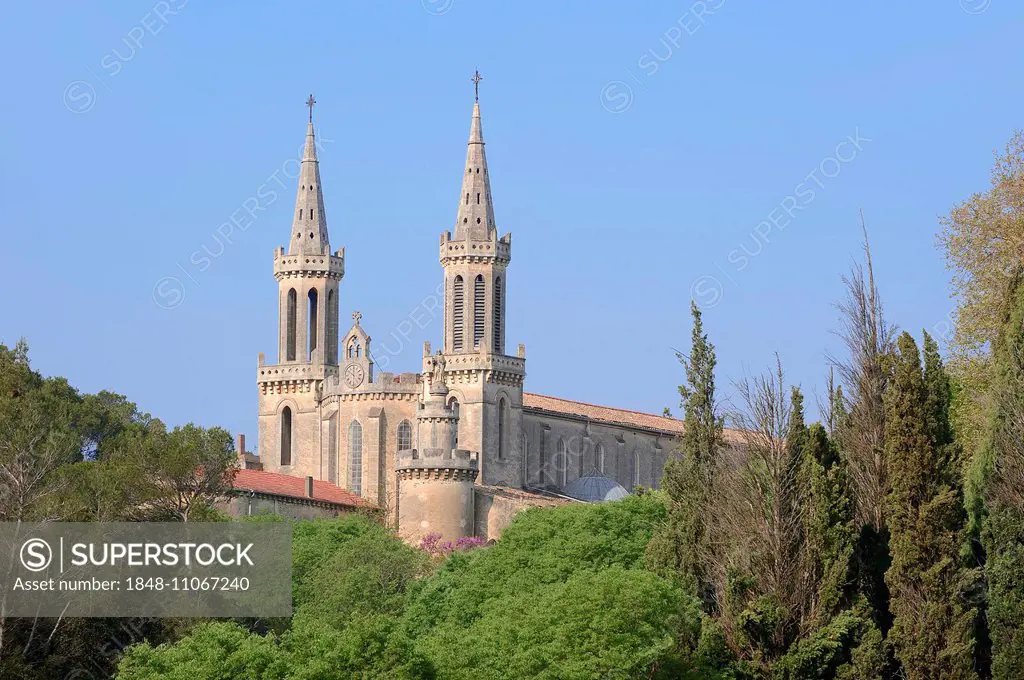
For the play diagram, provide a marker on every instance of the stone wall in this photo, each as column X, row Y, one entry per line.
column 244, row 505
column 631, row 456
column 496, row 507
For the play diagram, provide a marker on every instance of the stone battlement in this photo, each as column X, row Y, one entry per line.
column 441, row 465
column 437, row 458
column 309, row 265
column 451, row 251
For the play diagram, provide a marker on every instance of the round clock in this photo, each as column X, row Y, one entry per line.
column 354, row 375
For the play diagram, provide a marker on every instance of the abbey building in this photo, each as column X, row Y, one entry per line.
column 457, row 447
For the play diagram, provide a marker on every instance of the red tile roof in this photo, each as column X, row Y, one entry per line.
column 611, row 415
column 295, row 487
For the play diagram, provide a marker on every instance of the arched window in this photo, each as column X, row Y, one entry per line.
column 636, row 469
column 289, row 326
column 353, row 347
column 404, row 436
column 313, row 310
column 457, row 312
column 453, row 404
column 355, row 458
column 497, row 315
column 478, row 310
column 580, row 458
column 541, row 459
column 332, row 328
column 501, row 428
column 599, row 457
column 286, row 436
column 563, row 462
column 332, row 449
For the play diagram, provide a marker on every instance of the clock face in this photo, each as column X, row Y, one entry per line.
column 354, row 375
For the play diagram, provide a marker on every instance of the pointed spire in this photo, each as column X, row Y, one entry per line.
column 309, row 222
column 475, row 219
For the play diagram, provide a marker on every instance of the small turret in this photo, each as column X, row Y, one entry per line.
column 435, row 481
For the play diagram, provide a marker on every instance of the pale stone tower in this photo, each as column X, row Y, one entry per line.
column 486, row 385
column 308, row 276
column 435, row 480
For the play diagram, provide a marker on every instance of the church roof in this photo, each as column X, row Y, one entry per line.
column 594, row 488
column 611, row 415
column 295, row 487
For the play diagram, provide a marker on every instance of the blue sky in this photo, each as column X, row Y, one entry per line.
column 640, row 155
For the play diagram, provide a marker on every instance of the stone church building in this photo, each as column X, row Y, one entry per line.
column 457, row 447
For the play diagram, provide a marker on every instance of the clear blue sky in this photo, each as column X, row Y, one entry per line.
column 121, row 156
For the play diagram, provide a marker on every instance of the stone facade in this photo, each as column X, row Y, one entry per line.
column 418, row 444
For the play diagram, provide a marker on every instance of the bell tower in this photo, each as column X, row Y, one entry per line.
column 486, row 384
column 308, row 276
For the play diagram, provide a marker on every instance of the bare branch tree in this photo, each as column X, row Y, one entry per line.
column 758, row 516
column 869, row 341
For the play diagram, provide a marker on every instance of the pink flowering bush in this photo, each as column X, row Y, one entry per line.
column 435, row 547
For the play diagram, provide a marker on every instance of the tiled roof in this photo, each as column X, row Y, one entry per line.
column 295, row 487
column 611, row 415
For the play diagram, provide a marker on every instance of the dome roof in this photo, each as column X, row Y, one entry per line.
column 594, row 488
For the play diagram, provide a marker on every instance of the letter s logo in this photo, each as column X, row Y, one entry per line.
column 36, row 554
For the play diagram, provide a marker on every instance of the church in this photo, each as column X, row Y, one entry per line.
column 457, row 447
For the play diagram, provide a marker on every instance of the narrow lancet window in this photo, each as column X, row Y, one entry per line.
column 286, row 436
column 355, row 458
column 289, row 330
column 312, row 315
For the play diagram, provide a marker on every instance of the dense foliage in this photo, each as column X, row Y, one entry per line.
column 886, row 542
column 65, row 456
column 563, row 595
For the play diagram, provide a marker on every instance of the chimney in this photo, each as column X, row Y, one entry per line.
column 240, row 449
column 309, row 487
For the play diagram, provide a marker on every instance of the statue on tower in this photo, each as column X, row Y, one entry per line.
column 437, row 364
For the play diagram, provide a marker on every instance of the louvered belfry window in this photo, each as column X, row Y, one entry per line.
column 457, row 312
column 478, row 310
column 497, row 315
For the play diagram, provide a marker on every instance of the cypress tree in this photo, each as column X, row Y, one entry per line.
column 678, row 549
column 702, row 436
column 1001, row 469
column 938, row 395
column 931, row 626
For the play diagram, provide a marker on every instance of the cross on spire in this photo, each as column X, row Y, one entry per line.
column 476, row 84
column 356, row 316
column 310, row 102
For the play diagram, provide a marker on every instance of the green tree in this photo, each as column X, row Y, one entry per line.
column 610, row 623
column 997, row 498
column 184, row 471
column 983, row 238
column 938, row 395
column 787, row 533
column 213, row 651
column 931, row 633
column 681, row 547
column 37, row 438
